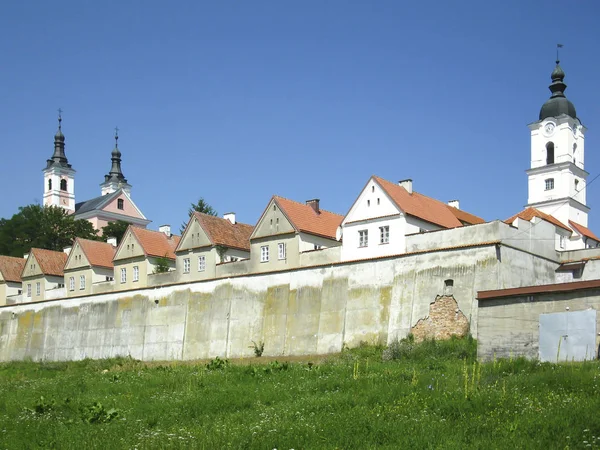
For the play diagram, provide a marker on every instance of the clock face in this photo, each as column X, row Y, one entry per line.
column 549, row 128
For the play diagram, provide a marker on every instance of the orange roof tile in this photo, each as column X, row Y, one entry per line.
column 584, row 231
column 11, row 268
column 156, row 243
column 50, row 261
column 530, row 213
column 304, row 218
column 223, row 232
column 465, row 217
column 98, row 253
column 419, row 205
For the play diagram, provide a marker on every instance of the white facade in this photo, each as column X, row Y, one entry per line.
column 557, row 178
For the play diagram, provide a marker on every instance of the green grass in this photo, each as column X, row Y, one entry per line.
column 429, row 395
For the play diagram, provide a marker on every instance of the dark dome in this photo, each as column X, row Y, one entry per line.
column 557, row 104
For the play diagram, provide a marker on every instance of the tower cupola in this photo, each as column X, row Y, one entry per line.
column 59, row 158
column 115, row 179
column 557, row 104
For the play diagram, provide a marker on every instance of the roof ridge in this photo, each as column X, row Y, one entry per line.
column 304, row 204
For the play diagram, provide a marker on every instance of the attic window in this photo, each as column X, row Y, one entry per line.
column 63, row 185
column 378, row 201
column 372, row 188
column 120, row 203
column 368, row 202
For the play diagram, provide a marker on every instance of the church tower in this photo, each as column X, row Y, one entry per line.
column 557, row 177
column 59, row 176
column 115, row 179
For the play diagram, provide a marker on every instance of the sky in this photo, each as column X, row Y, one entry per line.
column 237, row 101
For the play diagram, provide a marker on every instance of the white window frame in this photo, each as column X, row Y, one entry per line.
column 281, row 250
column 264, row 253
column 201, row 263
column 81, row 282
column 71, row 283
column 363, row 238
column 186, row 265
column 384, row 234
column 28, row 289
column 38, row 288
column 549, row 184
column 136, row 273
column 123, row 275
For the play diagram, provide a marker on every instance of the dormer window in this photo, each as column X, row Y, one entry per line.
column 63, row 185
column 550, row 153
column 549, row 184
column 120, row 203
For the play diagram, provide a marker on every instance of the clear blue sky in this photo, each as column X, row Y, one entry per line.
column 237, row 101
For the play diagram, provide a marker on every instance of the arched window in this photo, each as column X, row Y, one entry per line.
column 50, row 184
column 120, row 203
column 550, row 153
column 63, row 185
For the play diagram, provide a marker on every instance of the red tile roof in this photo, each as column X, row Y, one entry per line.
column 223, row 232
column 156, row 243
column 304, row 218
column 11, row 268
column 584, row 231
column 98, row 253
column 530, row 213
column 421, row 206
column 539, row 289
column 50, row 261
column 465, row 217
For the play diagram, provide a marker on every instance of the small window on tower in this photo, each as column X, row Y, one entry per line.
column 576, row 184
column 63, row 185
column 549, row 184
column 550, row 153
column 49, row 185
column 120, row 203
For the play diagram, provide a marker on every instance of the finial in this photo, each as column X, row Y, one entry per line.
column 116, row 137
column 557, row 47
column 59, row 118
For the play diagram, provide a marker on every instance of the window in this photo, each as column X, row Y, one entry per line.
column 368, row 202
column 363, row 238
column 81, row 282
column 549, row 184
column 49, row 185
column 201, row 263
column 28, row 290
column 63, row 185
column 576, row 184
column 561, row 241
column 372, row 188
column 378, row 201
column 120, row 203
column 281, row 250
column 72, row 283
column 384, row 235
column 317, row 247
column 264, row 253
column 38, row 288
column 186, row 265
column 136, row 273
column 550, row 153
column 110, row 278
column 123, row 275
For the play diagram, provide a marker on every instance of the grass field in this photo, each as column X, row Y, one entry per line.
column 430, row 395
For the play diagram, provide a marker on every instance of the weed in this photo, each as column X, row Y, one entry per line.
column 217, row 364
column 258, row 348
column 97, row 413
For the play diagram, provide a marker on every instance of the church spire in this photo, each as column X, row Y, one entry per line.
column 558, row 103
column 59, row 158
column 115, row 179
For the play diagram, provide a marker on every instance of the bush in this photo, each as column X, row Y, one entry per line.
column 453, row 348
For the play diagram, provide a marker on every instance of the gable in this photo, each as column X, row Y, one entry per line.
column 273, row 221
column 76, row 258
column 194, row 236
column 32, row 267
column 371, row 203
column 129, row 208
column 129, row 247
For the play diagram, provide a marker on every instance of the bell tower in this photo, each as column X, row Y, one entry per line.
column 59, row 176
column 115, row 179
column 557, row 176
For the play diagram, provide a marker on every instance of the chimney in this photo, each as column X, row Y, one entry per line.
column 112, row 241
column 314, row 204
column 454, row 204
column 406, row 184
column 67, row 250
column 166, row 229
column 230, row 216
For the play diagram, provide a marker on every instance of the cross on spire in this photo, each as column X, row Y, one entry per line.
column 557, row 47
column 59, row 117
column 116, row 136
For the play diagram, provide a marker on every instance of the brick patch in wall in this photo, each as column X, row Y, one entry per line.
column 444, row 321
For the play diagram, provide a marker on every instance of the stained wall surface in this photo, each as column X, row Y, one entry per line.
column 311, row 310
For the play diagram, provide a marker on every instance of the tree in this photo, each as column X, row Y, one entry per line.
column 49, row 227
column 199, row 206
column 115, row 229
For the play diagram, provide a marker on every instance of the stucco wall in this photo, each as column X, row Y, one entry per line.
column 302, row 311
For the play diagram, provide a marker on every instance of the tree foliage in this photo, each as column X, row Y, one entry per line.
column 49, row 227
column 200, row 206
column 115, row 229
